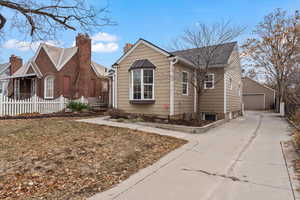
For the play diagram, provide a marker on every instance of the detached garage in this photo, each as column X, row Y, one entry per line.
column 257, row 96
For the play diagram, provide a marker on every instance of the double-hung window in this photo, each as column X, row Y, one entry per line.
column 209, row 82
column 185, row 85
column 142, row 84
column 49, row 87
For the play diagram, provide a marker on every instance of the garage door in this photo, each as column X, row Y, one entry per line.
column 254, row 101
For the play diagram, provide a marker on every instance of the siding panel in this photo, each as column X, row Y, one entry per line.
column 161, row 82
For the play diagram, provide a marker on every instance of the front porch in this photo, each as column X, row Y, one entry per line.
column 24, row 87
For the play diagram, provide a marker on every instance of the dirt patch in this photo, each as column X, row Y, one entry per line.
column 59, row 158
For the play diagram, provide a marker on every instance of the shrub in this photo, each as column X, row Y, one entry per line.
column 77, row 106
column 117, row 113
column 297, row 139
column 296, row 117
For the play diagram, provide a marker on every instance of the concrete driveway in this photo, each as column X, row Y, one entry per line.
column 240, row 160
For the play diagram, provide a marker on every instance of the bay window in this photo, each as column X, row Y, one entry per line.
column 142, row 84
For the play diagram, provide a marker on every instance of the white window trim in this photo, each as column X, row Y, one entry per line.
column 213, row 81
column 230, row 83
column 45, row 87
column 187, row 83
column 142, row 85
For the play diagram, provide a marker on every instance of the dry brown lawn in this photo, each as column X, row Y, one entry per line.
column 59, row 158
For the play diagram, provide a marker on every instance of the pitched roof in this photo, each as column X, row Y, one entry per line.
column 223, row 52
column 100, row 70
column 256, row 82
column 58, row 56
column 22, row 71
column 221, row 55
column 145, row 42
column 4, row 67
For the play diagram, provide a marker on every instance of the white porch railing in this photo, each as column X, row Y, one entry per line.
column 12, row 107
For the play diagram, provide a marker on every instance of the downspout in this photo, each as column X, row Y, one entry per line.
column 173, row 61
column 225, row 93
column 115, row 86
column 195, row 91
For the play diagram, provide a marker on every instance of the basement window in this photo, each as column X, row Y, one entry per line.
column 209, row 117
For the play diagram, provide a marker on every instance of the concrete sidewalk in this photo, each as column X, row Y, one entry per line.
column 241, row 159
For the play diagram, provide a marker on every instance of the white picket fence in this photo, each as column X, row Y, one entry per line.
column 12, row 107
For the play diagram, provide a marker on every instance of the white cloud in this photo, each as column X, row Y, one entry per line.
column 24, row 45
column 101, row 47
column 101, row 43
column 104, row 43
column 104, row 37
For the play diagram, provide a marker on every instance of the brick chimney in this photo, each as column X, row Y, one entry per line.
column 15, row 63
column 127, row 47
column 83, row 42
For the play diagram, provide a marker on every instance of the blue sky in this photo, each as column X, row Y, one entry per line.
column 159, row 22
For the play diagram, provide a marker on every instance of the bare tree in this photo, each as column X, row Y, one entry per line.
column 274, row 47
column 42, row 20
column 206, row 40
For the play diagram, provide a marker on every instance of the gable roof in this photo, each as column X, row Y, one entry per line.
column 4, row 67
column 58, row 56
column 100, row 70
column 147, row 43
column 222, row 54
column 23, row 71
column 262, row 85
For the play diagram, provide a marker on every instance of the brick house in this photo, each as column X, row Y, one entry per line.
column 55, row 71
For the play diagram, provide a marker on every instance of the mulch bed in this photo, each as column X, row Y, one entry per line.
column 59, row 158
column 192, row 122
column 51, row 115
column 119, row 114
column 197, row 123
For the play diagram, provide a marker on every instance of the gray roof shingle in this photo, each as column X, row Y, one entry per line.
column 144, row 63
column 222, row 53
column 60, row 56
column 3, row 68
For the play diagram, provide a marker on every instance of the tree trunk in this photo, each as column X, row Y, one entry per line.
column 198, row 105
column 279, row 96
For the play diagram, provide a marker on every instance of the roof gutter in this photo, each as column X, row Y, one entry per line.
column 19, row 76
column 185, row 61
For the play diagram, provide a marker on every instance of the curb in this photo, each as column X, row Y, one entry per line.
column 289, row 154
column 143, row 174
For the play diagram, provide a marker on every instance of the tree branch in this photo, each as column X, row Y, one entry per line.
column 2, row 21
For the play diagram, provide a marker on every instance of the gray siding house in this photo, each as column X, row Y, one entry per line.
column 150, row 80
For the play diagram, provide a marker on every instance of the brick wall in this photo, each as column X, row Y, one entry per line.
column 15, row 63
column 78, row 68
